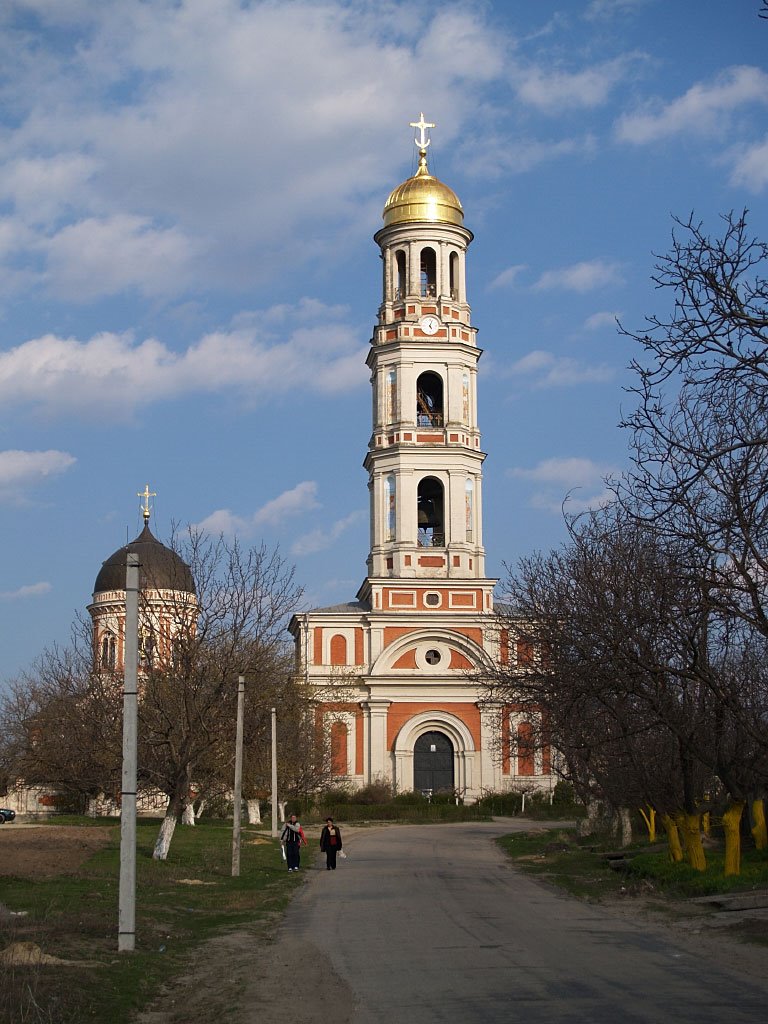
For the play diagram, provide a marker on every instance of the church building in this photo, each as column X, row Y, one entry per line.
column 404, row 652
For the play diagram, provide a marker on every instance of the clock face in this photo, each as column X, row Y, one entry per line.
column 429, row 324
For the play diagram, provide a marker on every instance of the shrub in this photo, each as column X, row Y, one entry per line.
column 373, row 793
column 410, row 798
column 334, row 795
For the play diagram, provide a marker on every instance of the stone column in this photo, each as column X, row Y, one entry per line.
column 414, row 269
column 490, row 746
column 377, row 761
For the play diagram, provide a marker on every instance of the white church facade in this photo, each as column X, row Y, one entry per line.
column 406, row 650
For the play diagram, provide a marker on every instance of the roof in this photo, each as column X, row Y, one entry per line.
column 160, row 568
column 423, row 198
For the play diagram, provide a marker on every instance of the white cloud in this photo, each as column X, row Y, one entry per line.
column 580, row 277
column 551, row 371
column 324, row 538
column 114, row 373
column 30, row 590
column 299, row 500
column 751, row 167
column 558, row 90
column 94, row 258
column 578, row 482
column 507, row 278
column 127, row 137
column 20, row 470
column 500, row 154
column 702, row 110
column 600, row 9
column 45, row 188
column 597, row 321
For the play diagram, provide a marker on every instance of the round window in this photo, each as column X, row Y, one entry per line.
column 432, row 657
column 432, row 599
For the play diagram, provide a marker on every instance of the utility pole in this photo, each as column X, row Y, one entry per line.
column 275, row 828
column 126, row 933
column 237, row 810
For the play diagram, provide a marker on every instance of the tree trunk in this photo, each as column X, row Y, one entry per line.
column 588, row 825
column 281, row 809
column 732, row 829
column 759, row 831
column 649, row 817
column 163, row 843
column 626, row 826
column 188, row 814
column 202, row 804
column 254, row 811
column 673, row 838
column 168, row 826
column 690, row 825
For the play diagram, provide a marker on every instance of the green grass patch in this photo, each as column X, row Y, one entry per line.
column 74, row 917
column 577, row 865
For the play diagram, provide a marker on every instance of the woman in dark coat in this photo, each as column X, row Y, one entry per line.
column 330, row 843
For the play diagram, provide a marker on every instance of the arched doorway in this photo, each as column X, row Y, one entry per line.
column 433, row 763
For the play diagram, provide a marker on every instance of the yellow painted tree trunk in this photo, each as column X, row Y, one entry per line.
column 759, row 831
column 690, row 826
column 650, row 822
column 673, row 838
column 731, row 827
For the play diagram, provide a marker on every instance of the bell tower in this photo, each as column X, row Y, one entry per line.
column 424, row 458
column 393, row 672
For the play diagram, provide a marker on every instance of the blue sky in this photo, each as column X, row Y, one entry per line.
column 188, row 192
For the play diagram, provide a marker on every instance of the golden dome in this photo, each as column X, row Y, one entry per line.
column 423, row 197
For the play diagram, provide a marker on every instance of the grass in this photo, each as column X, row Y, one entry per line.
column 74, row 917
column 577, row 865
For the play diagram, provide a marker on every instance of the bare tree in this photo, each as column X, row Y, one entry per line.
column 637, row 685
column 60, row 724
column 699, row 443
column 236, row 625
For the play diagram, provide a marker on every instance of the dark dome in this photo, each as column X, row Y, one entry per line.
column 159, row 567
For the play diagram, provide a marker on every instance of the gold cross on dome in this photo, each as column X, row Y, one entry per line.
column 146, row 494
column 422, row 125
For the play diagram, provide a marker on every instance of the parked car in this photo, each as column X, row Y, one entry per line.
column 6, row 814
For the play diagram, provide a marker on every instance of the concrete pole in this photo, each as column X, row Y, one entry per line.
column 275, row 828
column 126, row 933
column 238, row 800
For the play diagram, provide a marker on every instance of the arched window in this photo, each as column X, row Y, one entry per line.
column 430, row 513
column 525, row 652
column 525, row 749
column 401, row 280
column 391, row 396
column 338, row 650
column 147, row 646
column 108, row 651
column 428, row 275
column 453, row 266
column 391, row 500
column 469, row 507
column 465, row 398
column 339, row 743
column 429, row 400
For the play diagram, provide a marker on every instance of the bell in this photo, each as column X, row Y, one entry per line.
column 426, row 515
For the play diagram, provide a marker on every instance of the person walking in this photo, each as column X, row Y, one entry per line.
column 293, row 839
column 330, row 843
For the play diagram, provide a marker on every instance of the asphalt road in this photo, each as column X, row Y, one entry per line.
column 428, row 924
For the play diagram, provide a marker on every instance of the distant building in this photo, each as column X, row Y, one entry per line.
column 168, row 601
column 404, row 651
